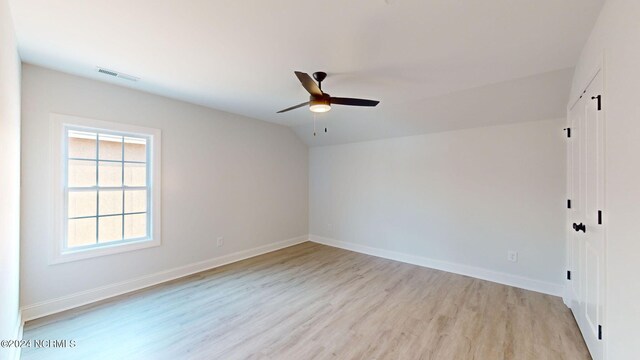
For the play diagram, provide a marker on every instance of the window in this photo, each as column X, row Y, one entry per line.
column 108, row 196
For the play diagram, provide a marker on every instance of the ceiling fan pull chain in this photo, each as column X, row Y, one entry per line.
column 314, row 124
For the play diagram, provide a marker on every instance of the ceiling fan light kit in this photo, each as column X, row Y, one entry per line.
column 319, row 101
column 319, row 105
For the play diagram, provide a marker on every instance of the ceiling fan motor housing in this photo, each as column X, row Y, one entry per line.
column 325, row 97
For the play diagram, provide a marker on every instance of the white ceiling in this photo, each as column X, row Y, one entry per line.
column 416, row 56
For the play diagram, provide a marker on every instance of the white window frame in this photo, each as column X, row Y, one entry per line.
column 60, row 124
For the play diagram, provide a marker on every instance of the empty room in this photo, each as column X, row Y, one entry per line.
column 382, row 179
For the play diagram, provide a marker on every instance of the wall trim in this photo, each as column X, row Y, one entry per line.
column 456, row 268
column 52, row 306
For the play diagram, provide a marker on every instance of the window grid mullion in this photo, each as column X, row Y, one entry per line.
column 108, row 215
column 97, row 187
column 107, row 188
column 106, row 160
column 123, row 188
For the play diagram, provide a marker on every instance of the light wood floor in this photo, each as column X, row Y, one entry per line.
column 315, row 302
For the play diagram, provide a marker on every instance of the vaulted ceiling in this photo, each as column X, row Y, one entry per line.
column 435, row 65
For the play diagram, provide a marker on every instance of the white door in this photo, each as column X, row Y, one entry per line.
column 586, row 243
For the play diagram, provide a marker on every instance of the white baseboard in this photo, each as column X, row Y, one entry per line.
column 566, row 296
column 48, row 307
column 472, row 271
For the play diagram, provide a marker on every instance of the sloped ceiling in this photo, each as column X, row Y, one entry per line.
column 435, row 65
column 537, row 97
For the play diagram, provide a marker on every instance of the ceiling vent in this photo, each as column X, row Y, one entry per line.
column 117, row 74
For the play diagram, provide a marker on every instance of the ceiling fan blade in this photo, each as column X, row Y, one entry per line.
column 294, row 107
column 353, row 102
column 308, row 83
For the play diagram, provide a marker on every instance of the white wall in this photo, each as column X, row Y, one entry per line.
column 222, row 175
column 9, row 179
column 616, row 36
column 461, row 199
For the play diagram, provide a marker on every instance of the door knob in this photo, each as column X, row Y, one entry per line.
column 580, row 227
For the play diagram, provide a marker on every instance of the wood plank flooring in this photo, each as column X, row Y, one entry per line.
column 311, row 301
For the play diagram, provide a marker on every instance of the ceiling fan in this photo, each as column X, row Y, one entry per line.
column 320, row 101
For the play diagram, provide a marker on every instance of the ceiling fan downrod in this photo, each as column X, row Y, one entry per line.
column 320, row 76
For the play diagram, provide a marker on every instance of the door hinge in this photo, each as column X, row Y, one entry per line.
column 568, row 130
column 599, row 98
column 599, row 332
column 599, row 217
column 568, row 274
column 568, row 203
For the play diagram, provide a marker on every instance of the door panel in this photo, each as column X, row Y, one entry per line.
column 586, row 258
column 592, row 263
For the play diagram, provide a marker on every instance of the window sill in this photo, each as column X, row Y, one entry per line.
column 75, row 255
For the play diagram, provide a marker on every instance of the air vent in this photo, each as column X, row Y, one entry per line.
column 117, row 74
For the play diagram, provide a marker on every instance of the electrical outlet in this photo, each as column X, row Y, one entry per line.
column 220, row 241
column 512, row 256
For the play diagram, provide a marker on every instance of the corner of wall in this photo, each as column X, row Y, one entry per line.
column 456, row 268
column 10, row 104
column 52, row 306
